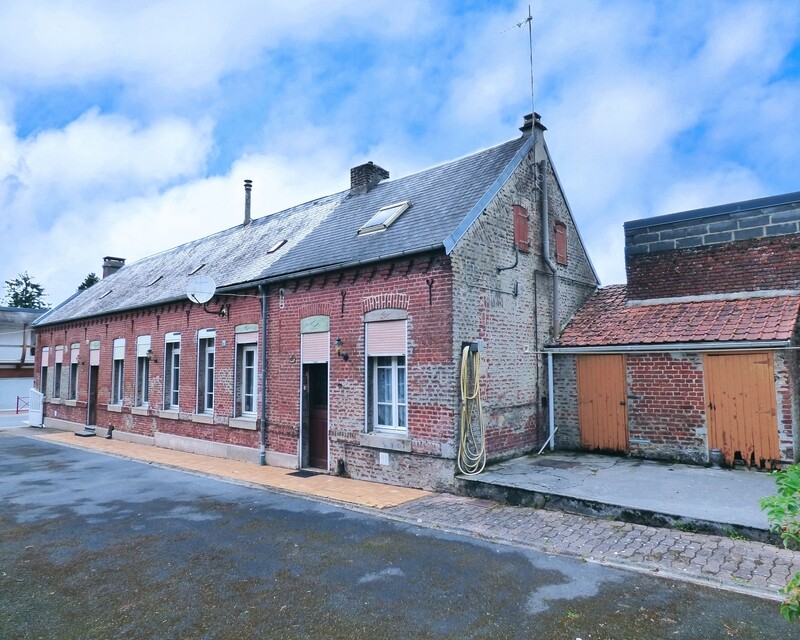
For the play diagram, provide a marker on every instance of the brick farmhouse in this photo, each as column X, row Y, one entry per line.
column 695, row 359
column 334, row 332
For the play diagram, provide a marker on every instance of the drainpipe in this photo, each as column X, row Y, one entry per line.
column 262, row 459
column 550, row 265
column 24, row 344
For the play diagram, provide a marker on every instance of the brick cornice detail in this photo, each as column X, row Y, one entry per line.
column 385, row 301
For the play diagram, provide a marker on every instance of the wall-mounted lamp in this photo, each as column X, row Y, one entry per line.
column 151, row 356
column 338, row 344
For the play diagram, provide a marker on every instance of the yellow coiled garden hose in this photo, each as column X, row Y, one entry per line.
column 472, row 444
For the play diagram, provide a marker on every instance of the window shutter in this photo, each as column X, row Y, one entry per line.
column 561, row 243
column 59, row 354
column 315, row 347
column 142, row 346
column 119, row 349
column 386, row 338
column 521, row 228
column 75, row 352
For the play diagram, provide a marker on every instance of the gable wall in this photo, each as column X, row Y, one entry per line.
column 514, row 328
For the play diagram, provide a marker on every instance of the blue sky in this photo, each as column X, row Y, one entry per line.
column 127, row 127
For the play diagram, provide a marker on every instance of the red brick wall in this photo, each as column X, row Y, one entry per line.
column 666, row 407
column 744, row 265
column 421, row 285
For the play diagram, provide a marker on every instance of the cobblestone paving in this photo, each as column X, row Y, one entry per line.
column 739, row 565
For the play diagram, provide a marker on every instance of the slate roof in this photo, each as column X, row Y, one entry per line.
column 321, row 235
column 605, row 320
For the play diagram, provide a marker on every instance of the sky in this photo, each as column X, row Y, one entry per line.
column 128, row 127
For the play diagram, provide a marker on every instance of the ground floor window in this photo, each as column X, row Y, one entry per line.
column 246, row 375
column 388, row 404
column 205, row 370
column 172, row 371
column 118, row 371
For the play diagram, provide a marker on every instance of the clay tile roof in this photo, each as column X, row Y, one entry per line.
column 606, row 320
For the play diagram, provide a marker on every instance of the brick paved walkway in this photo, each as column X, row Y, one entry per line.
column 739, row 565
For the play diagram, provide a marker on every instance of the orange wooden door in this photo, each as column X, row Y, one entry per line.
column 602, row 414
column 742, row 411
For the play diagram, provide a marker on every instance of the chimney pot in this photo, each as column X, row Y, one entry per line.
column 248, row 185
column 112, row 265
column 365, row 176
column 529, row 121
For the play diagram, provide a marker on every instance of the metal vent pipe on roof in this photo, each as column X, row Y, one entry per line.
column 248, row 186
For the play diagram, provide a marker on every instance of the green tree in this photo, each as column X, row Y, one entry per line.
column 783, row 512
column 88, row 281
column 24, row 292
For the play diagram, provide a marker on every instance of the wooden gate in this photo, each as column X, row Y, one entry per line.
column 601, row 403
column 742, row 413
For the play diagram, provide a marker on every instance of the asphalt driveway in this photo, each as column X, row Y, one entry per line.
column 93, row 546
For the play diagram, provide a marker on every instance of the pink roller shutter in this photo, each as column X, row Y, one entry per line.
column 386, row 338
column 315, row 347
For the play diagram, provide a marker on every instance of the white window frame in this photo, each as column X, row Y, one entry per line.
column 74, row 358
column 43, row 371
column 58, row 370
column 141, row 392
column 118, row 372
column 398, row 370
column 172, row 371
column 206, row 363
column 398, row 408
column 243, row 389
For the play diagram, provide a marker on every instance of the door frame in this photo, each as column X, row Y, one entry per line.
column 620, row 434
column 312, row 325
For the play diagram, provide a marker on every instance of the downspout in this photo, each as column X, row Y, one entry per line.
column 262, row 460
column 24, row 345
column 556, row 329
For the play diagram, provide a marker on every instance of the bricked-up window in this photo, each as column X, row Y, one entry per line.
column 142, row 391
column 521, row 241
column 57, row 372
column 43, row 377
column 205, row 370
column 387, row 404
column 74, row 356
column 561, row 242
column 172, row 371
column 118, row 371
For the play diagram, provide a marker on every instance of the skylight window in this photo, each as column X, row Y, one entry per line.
column 105, row 294
column 196, row 269
column 276, row 246
column 384, row 218
column 152, row 282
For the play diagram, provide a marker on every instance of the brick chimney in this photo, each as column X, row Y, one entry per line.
column 528, row 122
column 248, row 185
column 112, row 265
column 366, row 176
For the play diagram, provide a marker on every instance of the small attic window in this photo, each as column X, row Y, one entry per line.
column 152, row 282
column 196, row 269
column 276, row 246
column 384, row 218
column 105, row 294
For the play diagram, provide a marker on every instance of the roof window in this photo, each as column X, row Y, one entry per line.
column 156, row 279
column 196, row 269
column 384, row 218
column 276, row 246
column 105, row 294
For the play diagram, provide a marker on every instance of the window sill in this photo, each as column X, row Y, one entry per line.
column 139, row 411
column 203, row 418
column 54, row 400
column 71, row 403
column 169, row 415
column 385, row 441
column 243, row 423
column 115, row 408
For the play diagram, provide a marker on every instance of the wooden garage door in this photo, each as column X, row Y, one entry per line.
column 602, row 413
column 742, row 414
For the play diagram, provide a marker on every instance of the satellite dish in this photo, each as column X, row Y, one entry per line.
column 200, row 289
